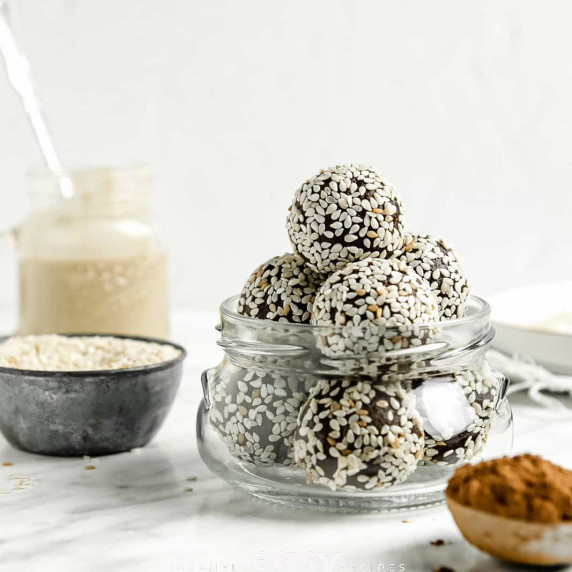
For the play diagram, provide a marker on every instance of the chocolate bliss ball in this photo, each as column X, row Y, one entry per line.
column 354, row 434
column 436, row 261
column 379, row 303
column 282, row 289
column 343, row 214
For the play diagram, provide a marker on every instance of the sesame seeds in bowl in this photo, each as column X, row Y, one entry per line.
column 86, row 395
column 55, row 353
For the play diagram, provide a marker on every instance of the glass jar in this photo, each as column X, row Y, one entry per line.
column 288, row 420
column 93, row 262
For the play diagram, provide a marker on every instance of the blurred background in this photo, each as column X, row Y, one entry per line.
column 465, row 108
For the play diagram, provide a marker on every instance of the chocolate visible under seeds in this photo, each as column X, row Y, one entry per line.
column 282, row 289
column 379, row 303
column 255, row 412
column 354, row 434
column 343, row 214
column 438, row 263
column 457, row 428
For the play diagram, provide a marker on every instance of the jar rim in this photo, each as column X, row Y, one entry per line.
column 433, row 347
column 481, row 310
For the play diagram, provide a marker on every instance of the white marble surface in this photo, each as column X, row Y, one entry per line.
column 134, row 514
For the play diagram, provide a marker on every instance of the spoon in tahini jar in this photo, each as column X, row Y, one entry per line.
column 514, row 540
column 20, row 77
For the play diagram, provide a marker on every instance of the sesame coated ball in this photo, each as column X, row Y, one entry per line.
column 354, row 434
column 457, row 412
column 282, row 289
column 343, row 214
column 378, row 302
column 436, row 261
column 254, row 410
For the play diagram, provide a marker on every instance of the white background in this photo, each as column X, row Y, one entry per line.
column 465, row 107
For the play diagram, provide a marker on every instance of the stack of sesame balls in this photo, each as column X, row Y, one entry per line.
column 355, row 264
column 353, row 260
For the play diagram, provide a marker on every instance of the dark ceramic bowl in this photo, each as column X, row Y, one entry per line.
column 87, row 412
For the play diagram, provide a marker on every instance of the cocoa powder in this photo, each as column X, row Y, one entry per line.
column 525, row 487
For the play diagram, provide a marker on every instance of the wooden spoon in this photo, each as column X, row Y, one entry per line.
column 513, row 540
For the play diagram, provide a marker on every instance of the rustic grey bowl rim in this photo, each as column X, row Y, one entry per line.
column 99, row 372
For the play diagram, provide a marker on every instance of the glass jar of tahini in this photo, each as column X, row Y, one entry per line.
column 92, row 262
column 289, row 418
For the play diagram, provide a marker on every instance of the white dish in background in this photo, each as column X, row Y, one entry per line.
column 536, row 321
